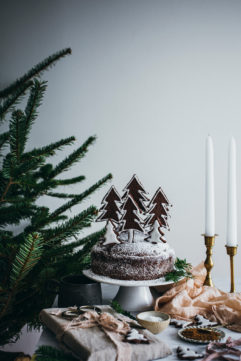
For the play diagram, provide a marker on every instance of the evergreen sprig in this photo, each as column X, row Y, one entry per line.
column 26, row 258
column 48, row 150
column 34, row 101
column 35, row 71
column 10, row 103
column 80, row 197
column 182, row 269
column 48, row 243
column 74, row 157
column 17, row 134
column 3, row 139
column 48, row 353
column 117, row 307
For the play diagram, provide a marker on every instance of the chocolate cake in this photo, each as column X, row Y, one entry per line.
column 132, row 261
column 134, row 246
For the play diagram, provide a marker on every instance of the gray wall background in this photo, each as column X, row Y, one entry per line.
column 151, row 79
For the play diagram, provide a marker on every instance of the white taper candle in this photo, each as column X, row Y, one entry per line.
column 209, row 190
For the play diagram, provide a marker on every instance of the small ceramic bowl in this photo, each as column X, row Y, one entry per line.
column 149, row 320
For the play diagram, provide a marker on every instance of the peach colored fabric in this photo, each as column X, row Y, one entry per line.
column 189, row 298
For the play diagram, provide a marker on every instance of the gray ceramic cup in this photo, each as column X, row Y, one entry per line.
column 78, row 290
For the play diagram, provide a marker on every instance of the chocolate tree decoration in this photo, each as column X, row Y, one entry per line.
column 135, row 189
column 155, row 234
column 110, row 209
column 130, row 220
column 110, row 236
column 158, row 209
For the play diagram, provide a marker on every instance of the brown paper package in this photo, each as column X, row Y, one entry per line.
column 92, row 344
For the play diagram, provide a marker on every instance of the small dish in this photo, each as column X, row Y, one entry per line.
column 153, row 321
column 183, row 333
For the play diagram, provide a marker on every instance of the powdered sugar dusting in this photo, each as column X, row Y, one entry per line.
column 136, row 250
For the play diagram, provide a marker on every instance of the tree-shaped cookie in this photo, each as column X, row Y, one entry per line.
column 156, row 235
column 110, row 236
column 130, row 220
column 158, row 209
column 110, row 209
column 135, row 189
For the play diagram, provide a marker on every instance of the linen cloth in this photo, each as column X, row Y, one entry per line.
column 95, row 344
column 189, row 298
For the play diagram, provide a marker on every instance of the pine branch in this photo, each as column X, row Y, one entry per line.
column 60, row 195
column 77, row 199
column 72, row 158
column 48, row 150
column 65, row 182
column 68, row 248
column 182, row 269
column 10, row 103
column 34, row 101
column 26, row 258
column 4, row 137
column 13, row 214
column 17, row 134
column 28, row 261
column 35, row 71
column 6, row 189
column 117, row 307
column 48, row 353
column 76, row 262
column 43, row 187
column 21, row 170
column 71, row 227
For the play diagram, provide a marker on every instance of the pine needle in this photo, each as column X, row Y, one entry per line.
column 182, row 269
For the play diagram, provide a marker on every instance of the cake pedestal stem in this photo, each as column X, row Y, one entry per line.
column 135, row 298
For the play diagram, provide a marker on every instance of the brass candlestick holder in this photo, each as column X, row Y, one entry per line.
column 232, row 251
column 209, row 243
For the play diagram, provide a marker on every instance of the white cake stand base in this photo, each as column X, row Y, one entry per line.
column 133, row 296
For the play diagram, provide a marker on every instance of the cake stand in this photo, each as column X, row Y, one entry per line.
column 133, row 296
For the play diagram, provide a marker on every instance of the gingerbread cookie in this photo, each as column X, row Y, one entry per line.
column 135, row 337
column 204, row 322
column 180, row 323
column 184, row 353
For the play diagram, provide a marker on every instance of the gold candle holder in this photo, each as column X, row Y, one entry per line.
column 209, row 243
column 232, row 251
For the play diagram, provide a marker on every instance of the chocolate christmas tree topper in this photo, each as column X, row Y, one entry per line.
column 131, row 214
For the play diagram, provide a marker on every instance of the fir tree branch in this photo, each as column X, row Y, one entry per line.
column 17, row 134
column 11, row 169
column 14, row 99
column 78, row 198
column 182, row 269
column 48, row 353
column 48, row 150
column 35, row 71
column 10, row 182
column 13, row 214
column 67, row 248
column 4, row 137
column 60, row 195
column 26, row 258
column 43, row 187
column 117, row 307
column 34, row 101
column 73, row 158
column 71, row 227
column 65, row 182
